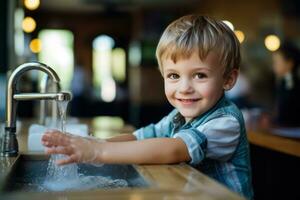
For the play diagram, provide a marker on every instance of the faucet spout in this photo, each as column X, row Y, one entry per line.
column 47, row 85
column 60, row 96
column 10, row 143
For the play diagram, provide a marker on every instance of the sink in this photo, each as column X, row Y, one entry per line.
column 29, row 174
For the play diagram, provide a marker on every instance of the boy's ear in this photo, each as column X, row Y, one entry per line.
column 230, row 79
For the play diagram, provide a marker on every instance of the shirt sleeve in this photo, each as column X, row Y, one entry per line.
column 196, row 143
column 153, row 130
column 217, row 139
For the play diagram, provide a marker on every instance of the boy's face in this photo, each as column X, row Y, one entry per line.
column 193, row 86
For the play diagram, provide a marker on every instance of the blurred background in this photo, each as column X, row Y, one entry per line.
column 104, row 52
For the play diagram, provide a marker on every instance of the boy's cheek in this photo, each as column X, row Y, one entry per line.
column 209, row 92
column 169, row 89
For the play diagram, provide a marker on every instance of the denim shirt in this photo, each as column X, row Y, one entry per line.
column 216, row 142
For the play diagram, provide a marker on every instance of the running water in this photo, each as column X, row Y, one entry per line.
column 66, row 177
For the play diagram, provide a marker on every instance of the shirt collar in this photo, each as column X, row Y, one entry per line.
column 178, row 119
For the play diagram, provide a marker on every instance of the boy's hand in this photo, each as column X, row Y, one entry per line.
column 78, row 149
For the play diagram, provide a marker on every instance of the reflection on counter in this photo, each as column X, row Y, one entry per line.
column 287, row 132
column 107, row 122
column 107, row 126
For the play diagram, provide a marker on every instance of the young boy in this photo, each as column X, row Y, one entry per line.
column 199, row 59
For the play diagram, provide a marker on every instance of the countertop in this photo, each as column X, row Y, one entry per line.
column 266, row 139
column 179, row 181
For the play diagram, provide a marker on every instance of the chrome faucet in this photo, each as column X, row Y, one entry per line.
column 47, row 85
column 10, row 143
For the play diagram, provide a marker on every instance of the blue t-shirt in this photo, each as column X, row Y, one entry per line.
column 216, row 142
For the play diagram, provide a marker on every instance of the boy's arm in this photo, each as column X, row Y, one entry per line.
column 121, row 138
column 149, row 151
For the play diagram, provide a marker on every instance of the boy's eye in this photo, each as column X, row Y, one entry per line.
column 200, row 75
column 173, row 76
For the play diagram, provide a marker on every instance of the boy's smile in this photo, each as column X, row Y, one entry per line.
column 188, row 101
column 193, row 86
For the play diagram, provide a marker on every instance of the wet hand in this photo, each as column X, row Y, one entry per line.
column 78, row 149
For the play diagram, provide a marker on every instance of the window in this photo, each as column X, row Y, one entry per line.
column 57, row 52
column 109, row 67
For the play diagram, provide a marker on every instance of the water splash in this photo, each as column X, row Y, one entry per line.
column 66, row 177
column 84, row 183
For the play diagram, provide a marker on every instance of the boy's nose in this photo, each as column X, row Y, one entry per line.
column 185, row 86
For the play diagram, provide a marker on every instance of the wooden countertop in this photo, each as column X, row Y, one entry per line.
column 178, row 181
column 265, row 138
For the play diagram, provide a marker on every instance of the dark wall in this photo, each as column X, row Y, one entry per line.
column 275, row 175
column 3, row 35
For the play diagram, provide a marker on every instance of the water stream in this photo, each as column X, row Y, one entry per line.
column 66, row 177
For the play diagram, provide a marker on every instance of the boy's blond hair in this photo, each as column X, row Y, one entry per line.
column 199, row 33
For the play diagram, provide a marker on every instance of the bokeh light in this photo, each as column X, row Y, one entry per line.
column 31, row 4
column 28, row 24
column 272, row 42
column 229, row 24
column 240, row 35
column 35, row 45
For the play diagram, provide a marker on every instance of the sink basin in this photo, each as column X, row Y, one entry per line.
column 29, row 174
